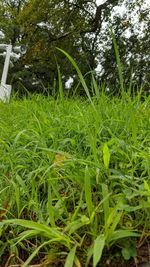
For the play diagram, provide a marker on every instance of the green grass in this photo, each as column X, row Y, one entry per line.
column 75, row 179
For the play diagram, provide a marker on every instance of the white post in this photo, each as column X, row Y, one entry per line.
column 6, row 64
column 5, row 89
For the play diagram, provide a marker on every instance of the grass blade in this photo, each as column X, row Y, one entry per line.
column 106, row 208
column 50, row 206
column 99, row 244
column 106, row 156
column 70, row 258
column 88, row 192
column 118, row 234
column 41, row 228
column 79, row 74
column 119, row 65
column 60, row 83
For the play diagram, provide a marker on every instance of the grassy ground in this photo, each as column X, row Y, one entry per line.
column 75, row 181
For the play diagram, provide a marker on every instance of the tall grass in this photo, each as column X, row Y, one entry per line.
column 74, row 178
column 67, row 177
column 119, row 65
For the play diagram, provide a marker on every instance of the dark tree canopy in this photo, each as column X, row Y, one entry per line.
column 80, row 27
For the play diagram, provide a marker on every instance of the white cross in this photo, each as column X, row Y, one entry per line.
column 5, row 89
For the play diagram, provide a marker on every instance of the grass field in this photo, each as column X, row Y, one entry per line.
column 75, row 181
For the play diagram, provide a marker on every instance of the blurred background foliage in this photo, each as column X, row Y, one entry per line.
column 82, row 28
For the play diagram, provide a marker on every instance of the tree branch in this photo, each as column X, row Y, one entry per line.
column 97, row 21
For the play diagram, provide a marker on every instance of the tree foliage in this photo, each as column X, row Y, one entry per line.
column 80, row 27
column 131, row 29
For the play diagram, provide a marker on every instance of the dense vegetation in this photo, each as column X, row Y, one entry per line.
column 75, row 165
column 74, row 180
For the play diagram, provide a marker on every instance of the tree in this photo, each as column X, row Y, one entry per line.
column 132, row 33
column 81, row 28
column 43, row 25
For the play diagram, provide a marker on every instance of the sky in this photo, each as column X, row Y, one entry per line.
column 98, row 2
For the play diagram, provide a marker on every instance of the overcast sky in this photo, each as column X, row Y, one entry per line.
column 103, row 1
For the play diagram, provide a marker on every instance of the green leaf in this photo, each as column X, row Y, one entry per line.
column 50, row 206
column 128, row 252
column 82, row 80
column 72, row 227
column 118, row 234
column 60, row 83
column 106, row 156
column 106, row 207
column 133, row 251
column 46, row 231
column 119, row 65
column 113, row 221
column 88, row 190
column 99, row 244
column 70, row 258
column 35, row 252
column 146, row 186
column 26, row 235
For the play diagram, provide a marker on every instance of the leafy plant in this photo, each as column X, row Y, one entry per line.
column 74, row 177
